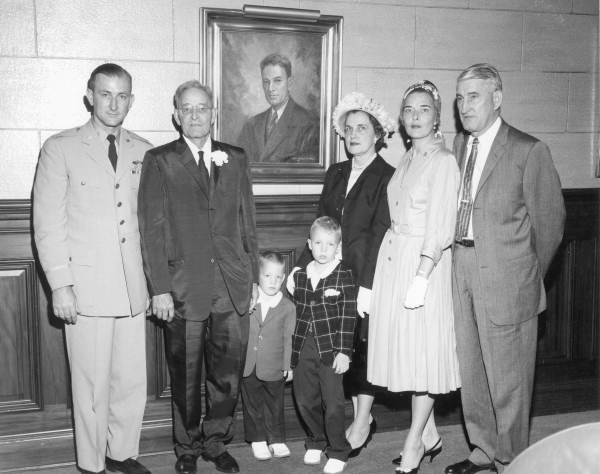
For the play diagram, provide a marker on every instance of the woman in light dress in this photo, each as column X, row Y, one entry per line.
column 411, row 336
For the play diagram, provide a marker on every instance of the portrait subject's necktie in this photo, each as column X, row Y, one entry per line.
column 112, row 151
column 271, row 124
column 466, row 201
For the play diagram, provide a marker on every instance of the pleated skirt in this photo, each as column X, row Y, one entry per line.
column 411, row 349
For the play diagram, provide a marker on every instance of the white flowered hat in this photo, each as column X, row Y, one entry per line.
column 359, row 101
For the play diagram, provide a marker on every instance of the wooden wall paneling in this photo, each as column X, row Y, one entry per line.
column 20, row 375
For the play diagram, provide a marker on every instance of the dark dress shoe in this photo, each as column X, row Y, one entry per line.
column 224, row 462
column 467, row 467
column 186, row 464
column 129, row 466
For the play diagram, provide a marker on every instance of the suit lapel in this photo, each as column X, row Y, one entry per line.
column 186, row 159
column 214, row 169
column 496, row 152
column 95, row 149
column 259, row 133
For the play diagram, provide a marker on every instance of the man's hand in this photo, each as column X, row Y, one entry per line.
column 162, row 307
column 253, row 298
column 341, row 363
column 289, row 284
column 288, row 375
column 363, row 301
column 64, row 304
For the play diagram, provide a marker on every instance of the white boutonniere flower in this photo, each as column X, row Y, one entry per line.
column 331, row 292
column 219, row 157
column 136, row 167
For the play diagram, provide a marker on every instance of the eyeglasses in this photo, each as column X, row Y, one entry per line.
column 198, row 109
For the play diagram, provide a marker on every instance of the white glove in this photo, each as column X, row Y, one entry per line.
column 415, row 296
column 363, row 301
column 289, row 284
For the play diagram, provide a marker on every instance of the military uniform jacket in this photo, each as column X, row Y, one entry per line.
column 85, row 220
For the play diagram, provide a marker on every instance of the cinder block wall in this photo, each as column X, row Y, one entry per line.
column 547, row 51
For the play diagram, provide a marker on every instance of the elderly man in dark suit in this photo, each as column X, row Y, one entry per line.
column 510, row 222
column 286, row 132
column 197, row 222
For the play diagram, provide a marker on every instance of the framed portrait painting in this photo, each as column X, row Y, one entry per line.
column 275, row 74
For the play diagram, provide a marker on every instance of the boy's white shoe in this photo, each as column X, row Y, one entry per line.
column 334, row 466
column 261, row 450
column 279, row 450
column 312, row 456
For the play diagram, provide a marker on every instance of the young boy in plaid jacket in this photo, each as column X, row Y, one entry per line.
column 325, row 297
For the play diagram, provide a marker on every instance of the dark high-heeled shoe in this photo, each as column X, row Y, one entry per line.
column 431, row 452
column 372, row 429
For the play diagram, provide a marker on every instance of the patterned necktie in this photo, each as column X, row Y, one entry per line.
column 112, row 151
column 271, row 124
column 466, row 201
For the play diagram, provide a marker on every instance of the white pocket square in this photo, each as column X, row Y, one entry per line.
column 331, row 292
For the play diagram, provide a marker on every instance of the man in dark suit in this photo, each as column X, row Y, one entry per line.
column 197, row 222
column 509, row 225
column 286, row 132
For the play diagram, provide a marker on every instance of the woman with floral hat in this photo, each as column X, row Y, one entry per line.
column 354, row 193
column 411, row 336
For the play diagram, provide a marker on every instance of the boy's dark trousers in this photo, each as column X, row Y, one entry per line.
column 318, row 388
column 263, row 409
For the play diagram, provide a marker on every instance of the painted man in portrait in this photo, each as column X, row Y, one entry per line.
column 286, row 132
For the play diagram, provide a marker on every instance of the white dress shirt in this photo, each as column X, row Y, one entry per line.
column 206, row 148
column 486, row 140
column 266, row 301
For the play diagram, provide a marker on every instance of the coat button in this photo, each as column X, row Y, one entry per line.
column 122, row 222
column 83, row 183
column 119, row 204
column 123, row 240
column 212, row 260
column 117, row 186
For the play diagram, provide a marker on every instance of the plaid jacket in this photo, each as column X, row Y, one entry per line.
column 332, row 308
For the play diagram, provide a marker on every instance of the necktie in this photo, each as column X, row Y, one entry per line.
column 466, row 201
column 271, row 124
column 202, row 166
column 112, row 151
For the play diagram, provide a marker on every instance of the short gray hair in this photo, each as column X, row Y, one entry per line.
column 482, row 71
column 193, row 84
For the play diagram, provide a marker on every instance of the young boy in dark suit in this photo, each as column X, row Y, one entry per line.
column 268, row 361
column 325, row 297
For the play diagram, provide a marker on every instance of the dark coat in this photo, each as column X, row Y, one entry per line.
column 365, row 217
column 295, row 138
column 190, row 225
